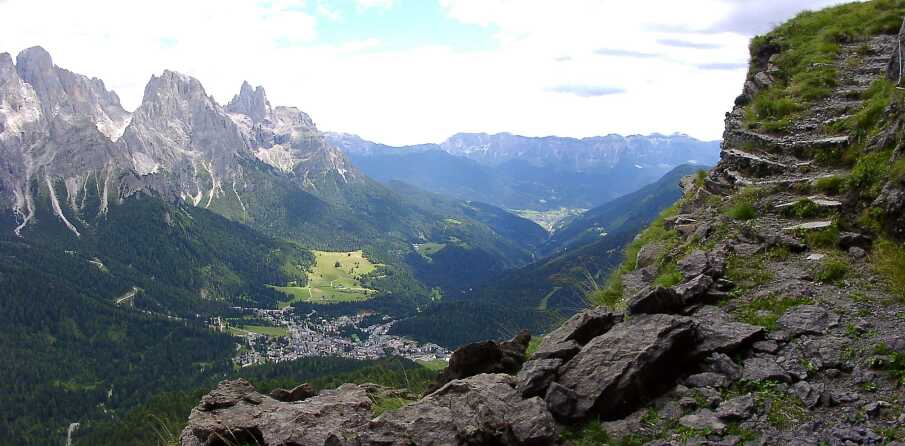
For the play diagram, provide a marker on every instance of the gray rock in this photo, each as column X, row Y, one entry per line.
column 565, row 341
column 484, row 357
column 704, row 419
column 298, row 393
column 856, row 435
column 648, row 254
column 759, row 369
column 694, row 290
column 765, row 346
column 699, row 262
column 657, row 300
column 631, row 363
column 562, row 350
column 227, row 412
column 857, row 253
column 706, row 379
column 483, row 409
column 736, row 409
column 536, row 375
column 724, row 365
column 809, row 394
column 873, row 409
column 718, row 333
column 849, row 240
column 808, row 319
column 826, row 352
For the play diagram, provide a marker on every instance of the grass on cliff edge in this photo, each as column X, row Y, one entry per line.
column 809, row 45
column 611, row 294
column 888, row 260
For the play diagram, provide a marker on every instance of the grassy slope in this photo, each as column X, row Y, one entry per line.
column 328, row 283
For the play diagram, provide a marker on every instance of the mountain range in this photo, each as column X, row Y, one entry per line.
column 124, row 234
column 527, row 173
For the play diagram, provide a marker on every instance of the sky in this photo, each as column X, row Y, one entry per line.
column 417, row 71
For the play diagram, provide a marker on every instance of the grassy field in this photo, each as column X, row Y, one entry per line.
column 276, row 332
column 429, row 249
column 335, row 277
column 437, row 364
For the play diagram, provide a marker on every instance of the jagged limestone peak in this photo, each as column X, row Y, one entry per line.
column 250, row 102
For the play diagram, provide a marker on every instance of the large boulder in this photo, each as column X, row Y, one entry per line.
column 484, row 357
column 655, row 300
column 235, row 413
column 618, row 370
column 566, row 341
column 480, row 410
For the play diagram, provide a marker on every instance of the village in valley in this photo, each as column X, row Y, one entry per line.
column 289, row 336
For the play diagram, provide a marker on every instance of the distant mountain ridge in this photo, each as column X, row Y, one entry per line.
column 518, row 172
column 585, row 154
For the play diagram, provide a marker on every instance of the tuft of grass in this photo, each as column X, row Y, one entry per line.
column 699, row 178
column 888, row 259
column 891, row 361
column 869, row 118
column 670, row 276
column 823, row 238
column 803, row 209
column 833, row 270
column 742, row 204
column 590, row 434
column 533, row 345
column 389, row 404
column 611, row 294
column 783, row 408
column 833, row 185
column 765, row 312
column 869, row 175
column 748, row 273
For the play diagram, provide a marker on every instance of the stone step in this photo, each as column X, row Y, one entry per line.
column 809, row 226
column 877, row 70
column 850, row 93
column 754, row 165
column 838, row 108
column 822, row 202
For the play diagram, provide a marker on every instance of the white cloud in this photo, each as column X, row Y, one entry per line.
column 384, row 4
column 422, row 93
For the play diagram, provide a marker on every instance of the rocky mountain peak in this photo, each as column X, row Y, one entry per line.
column 68, row 96
column 250, row 102
column 35, row 66
column 6, row 65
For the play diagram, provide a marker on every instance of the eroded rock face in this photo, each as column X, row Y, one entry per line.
column 483, row 409
column 619, row 369
column 235, row 412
